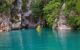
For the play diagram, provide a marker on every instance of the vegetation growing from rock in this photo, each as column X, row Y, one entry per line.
column 43, row 12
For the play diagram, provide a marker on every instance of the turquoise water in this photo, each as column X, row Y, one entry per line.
column 46, row 39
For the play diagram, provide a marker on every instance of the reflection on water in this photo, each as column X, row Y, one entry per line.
column 69, row 40
column 46, row 39
column 5, row 41
column 62, row 38
column 16, row 40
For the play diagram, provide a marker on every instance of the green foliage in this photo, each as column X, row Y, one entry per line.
column 37, row 6
column 74, row 21
column 73, row 5
column 78, row 6
column 70, row 4
column 51, row 10
column 5, row 5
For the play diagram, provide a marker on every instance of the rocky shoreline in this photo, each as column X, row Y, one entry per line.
column 6, row 24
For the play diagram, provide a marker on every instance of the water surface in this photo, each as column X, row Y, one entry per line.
column 46, row 39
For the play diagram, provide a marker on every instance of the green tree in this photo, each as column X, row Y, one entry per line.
column 51, row 11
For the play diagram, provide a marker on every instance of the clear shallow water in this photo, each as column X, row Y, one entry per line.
column 46, row 39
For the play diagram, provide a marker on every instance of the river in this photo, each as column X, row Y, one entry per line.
column 46, row 39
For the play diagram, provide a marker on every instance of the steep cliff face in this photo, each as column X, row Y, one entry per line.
column 16, row 14
column 28, row 8
column 27, row 19
column 18, row 17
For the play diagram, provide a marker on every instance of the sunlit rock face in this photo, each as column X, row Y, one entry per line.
column 5, row 24
column 61, row 22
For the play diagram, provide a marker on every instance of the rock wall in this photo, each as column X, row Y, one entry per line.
column 60, row 22
column 5, row 23
column 16, row 14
